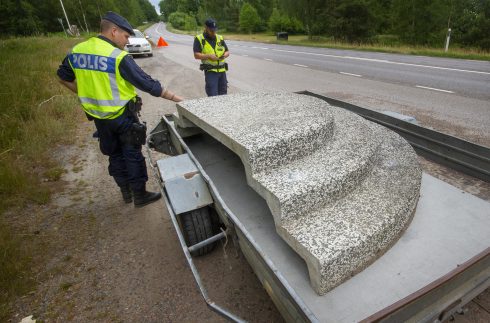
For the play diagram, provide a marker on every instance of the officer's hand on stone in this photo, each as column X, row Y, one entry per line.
column 177, row 98
column 166, row 94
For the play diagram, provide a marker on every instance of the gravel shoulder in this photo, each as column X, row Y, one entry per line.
column 100, row 260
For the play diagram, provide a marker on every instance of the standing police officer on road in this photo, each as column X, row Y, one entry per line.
column 211, row 49
column 104, row 76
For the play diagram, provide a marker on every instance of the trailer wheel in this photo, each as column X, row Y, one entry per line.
column 197, row 226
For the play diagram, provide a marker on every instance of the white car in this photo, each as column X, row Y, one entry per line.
column 139, row 44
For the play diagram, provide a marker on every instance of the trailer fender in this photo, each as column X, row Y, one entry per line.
column 184, row 185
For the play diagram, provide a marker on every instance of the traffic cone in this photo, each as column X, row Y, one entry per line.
column 162, row 42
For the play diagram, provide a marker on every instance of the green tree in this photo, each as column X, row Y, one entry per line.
column 187, row 6
column 276, row 22
column 264, row 9
column 19, row 18
column 313, row 14
column 249, row 18
column 201, row 16
column 148, row 10
column 167, row 7
column 421, row 21
column 27, row 17
column 279, row 21
column 352, row 21
column 131, row 11
column 382, row 15
column 470, row 23
column 226, row 13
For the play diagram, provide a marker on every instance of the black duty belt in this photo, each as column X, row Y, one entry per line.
column 208, row 67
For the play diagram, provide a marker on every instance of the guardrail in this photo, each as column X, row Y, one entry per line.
column 450, row 151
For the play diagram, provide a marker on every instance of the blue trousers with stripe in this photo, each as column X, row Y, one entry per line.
column 126, row 162
column 216, row 83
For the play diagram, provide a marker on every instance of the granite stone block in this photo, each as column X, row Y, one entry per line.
column 341, row 189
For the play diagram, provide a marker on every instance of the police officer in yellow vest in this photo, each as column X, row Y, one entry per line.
column 104, row 76
column 211, row 49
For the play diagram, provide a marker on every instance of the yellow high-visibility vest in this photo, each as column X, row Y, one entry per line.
column 218, row 50
column 101, row 89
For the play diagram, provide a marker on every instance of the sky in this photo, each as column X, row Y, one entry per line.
column 155, row 4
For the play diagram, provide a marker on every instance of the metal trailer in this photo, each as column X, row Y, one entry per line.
column 439, row 264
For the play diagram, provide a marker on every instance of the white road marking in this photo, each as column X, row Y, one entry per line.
column 245, row 55
column 434, row 89
column 158, row 27
column 268, row 59
column 357, row 58
column 381, row 61
column 356, row 75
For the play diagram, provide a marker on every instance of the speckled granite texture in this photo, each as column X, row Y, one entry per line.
column 341, row 189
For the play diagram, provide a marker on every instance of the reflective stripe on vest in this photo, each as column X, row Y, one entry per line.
column 218, row 50
column 101, row 89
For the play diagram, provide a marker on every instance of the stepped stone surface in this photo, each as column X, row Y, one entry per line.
column 341, row 189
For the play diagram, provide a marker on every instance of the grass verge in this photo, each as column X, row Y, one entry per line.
column 36, row 115
column 14, row 272
column 182, row 32
column 322, row 42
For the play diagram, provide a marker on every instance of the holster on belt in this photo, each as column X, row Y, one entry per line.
column 136, row 134
column 134, row 107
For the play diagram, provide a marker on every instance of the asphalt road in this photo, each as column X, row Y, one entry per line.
column 462, row 77
column 449, row 95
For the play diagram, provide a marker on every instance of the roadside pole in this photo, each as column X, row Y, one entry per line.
column 83, row 14
column 62, row 26
column 66, row 16
column 448, row 38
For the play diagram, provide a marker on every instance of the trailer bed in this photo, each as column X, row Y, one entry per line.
column 449, row 227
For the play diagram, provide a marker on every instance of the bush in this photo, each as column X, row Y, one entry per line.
column 190, row 23
column 182, row 21
column 279, row 21
column 387, row 40
column 177, row 19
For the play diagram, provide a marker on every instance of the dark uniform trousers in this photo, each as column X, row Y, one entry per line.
column 216, row 83
column 126, row 162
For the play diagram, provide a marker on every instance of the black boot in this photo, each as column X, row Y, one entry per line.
column 143, row 198
column 127, row 195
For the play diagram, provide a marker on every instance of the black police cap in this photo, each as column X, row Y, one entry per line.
column 211, row 24
column 119, row 21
